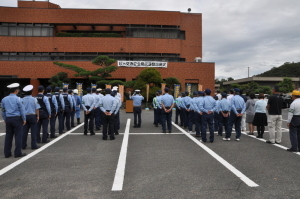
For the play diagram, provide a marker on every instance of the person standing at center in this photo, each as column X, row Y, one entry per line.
column 260, row 117
column 207, row 107
column 88, row 104
column 108, row 105
column 137, row 108
column 167, row 103
column 68, row 108
column 54, row 111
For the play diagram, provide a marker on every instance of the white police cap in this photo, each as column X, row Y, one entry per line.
column 99, row 89
column 137, row 90
column 114, row 89
column 14, row 85
column 28, row 88
column 75, row 91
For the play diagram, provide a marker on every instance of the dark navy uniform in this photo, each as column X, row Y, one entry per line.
column 54, row 109
column 60, row 110
column 13, row 113
column 44, row 114
column 68, row 108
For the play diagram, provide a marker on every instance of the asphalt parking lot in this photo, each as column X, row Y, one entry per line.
column 145, row 163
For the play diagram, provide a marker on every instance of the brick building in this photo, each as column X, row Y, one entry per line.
column 30, row 42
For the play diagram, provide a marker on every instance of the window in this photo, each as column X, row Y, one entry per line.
column 37, row 30
column 3, row 31
column 154, row 31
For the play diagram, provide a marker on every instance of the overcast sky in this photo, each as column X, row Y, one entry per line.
column 237, row 34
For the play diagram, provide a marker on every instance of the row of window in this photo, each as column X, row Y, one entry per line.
column 5, row 56
column 34, row 31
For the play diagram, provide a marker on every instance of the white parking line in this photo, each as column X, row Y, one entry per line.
column 13, row 165
column 231, row 168
column 2, row 134
column 120, row 171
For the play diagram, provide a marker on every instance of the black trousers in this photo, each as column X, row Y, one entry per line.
column 43, row 122
column 295, row 133
column 14, row 128
column 177, row 114
column 108, row 125
column 89, row 121
column 137, row 116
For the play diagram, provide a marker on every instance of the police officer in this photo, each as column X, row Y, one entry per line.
column 192, row 112
column 100, row 96
column 68, row 108
column 72, row 113
column 108, row 106
column 216, row 114
column 207, row 107
column 32, row 107
column 78, row 105
column 177, row 103
column 44, row 115
column 159, row 108
column 88, row 104
column 167, row 103
column 97, row 111
column 117, row 111
column 224, row 109
column 54, row 110
column 238, row 107
column 137, row 108
column 60, row 110
column 198, row 114
column 13, row 114
column 293, row 122
column 185, row 104
column 181, row 111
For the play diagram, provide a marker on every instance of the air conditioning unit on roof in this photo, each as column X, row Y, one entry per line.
column 198, row 59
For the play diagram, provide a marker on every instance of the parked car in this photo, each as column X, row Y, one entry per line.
column 287, row 100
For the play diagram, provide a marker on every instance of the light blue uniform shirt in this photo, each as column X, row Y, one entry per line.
column 119, row 103
column 77, row 100
column 88, row 100
column 158, row 101
column 224, row 105
column 154, row 103
column 61, row 99
column 238, row 103
column 74, row 101
column 30, row 104
column 137, row 100
column 208, row 104
column 186, row 102
column 12, row 107
column 198, row 101
column 178, row 101
column 97, row 99
column 260, row 106
column 217, row 106
column 167, row 100
column 192, row 104
column 108, row 103
column 54, row 101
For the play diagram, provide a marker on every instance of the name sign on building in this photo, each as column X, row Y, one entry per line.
column 143, row 64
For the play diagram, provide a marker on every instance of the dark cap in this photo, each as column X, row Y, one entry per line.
column 113, row 93
column 41, row 88
column 107, row 90
column 65, row 89
column 56, row 89
column 224, row 95
column 207, row 91
column 70, row 91
column 216, row 98
column 200, row 93
column 195, row 93
column 88, row 89
column 48, row 89
column 94, row 90
column 159, row 91
column 237, row 90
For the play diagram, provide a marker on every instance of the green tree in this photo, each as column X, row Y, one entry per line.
column 170, row 81
column 97, row 75
column 129, row 84
column 264, row 89
column 116, row 83
column 58, row 79
column 286, row 85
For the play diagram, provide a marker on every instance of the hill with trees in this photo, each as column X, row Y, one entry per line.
column 286, row 70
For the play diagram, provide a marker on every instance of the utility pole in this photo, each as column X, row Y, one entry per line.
column 248, row 72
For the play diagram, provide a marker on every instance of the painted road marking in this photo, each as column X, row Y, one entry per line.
column 120, row 171
column 231, row 168
column 13, row 165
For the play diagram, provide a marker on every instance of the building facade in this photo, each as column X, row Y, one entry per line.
column 37, row 33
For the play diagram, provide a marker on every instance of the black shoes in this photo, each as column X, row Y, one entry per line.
column 53, row 136
column 37, row 147
column 104, row 138
column 170, row 131
column 92, row 133
column 291, row 150
column 116, row 133
column 21, row 155
column 85, row 133
column 134, row 126
column 47, row 141
column 8, row 156
column 112, row 138
column 164, row 131
column 269, row 142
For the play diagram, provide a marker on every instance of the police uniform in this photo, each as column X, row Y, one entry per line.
column 32, row 107
column 137, row 108
column 88, row 104
column 78, row 105
column 54, row 110
column 192, row 112
column 185, row 104
column 68, row 108
column 178, row 102
column 198, row 114
column 44, row 115
column 159, row 108
column 293, row 122
column 207, row 107
column 72, row 113
column 13, row 113
column 224, row 109
column 108, row 105
column 60, row 109
column 97, row 111
column 117, row 111
column 155, row 107
column 167, row 102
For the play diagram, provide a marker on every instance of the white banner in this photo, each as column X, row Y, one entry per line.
column 159, row 64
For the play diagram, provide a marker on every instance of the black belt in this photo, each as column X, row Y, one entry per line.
column 225, row 112
column 87, row 107
column 167, row 107
column 107, row 110
column 30, row 114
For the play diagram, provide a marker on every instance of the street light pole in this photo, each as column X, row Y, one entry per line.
column 248, row 72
